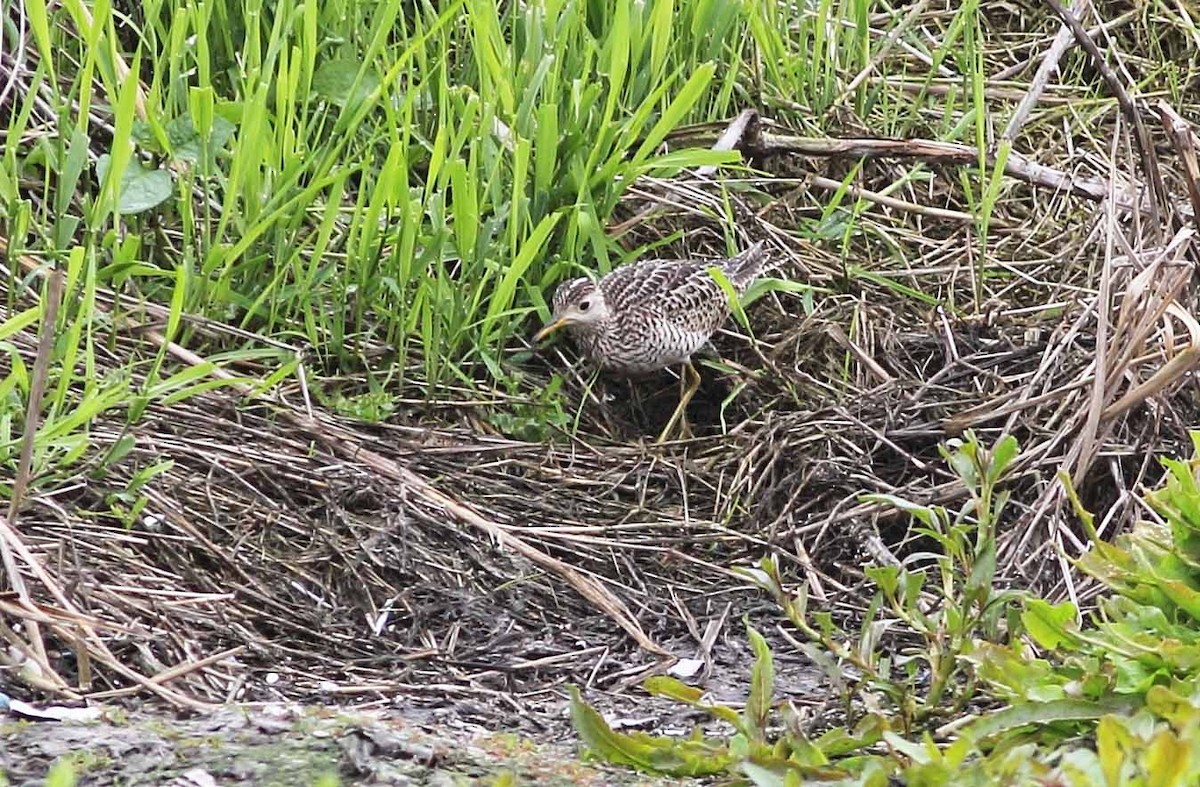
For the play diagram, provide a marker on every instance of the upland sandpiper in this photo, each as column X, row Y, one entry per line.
column 652, row 314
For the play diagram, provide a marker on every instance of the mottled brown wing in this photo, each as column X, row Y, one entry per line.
column 646, row 281
column 674, row 294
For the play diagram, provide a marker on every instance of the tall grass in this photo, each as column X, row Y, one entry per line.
column 343, row 175
column 413, row 173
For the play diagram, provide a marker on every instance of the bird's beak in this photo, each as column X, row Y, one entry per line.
column 550, row 328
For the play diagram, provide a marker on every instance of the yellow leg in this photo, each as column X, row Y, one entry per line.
column 689, row 383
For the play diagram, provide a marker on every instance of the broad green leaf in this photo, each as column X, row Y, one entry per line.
column 187, row 143
column 963, row 465
column 1183, row 595
column 678, row 757
column 840, row 741
column 1167, row 761
column 765, row 776
column 141, row 188
column 1046, row 623
column 1113, row 743
column 914, row 751
column 1005, row 451
column 598, row 736
column 338, row 82
column 886, row 577
column 666, row 686
column 1035, row 713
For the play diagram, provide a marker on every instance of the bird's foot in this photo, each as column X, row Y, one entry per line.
column 665, row 435
column 689, row 382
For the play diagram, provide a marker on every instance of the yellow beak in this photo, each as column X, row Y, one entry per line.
column 549, row 329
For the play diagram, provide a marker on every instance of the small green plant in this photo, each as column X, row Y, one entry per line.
column 61, row 774
column 927, row 683
column 373, row 405
column 947, row 608
column 1115, row 701
column 753, row 748
column 531, row 418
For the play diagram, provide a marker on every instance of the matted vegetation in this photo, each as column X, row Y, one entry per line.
column 269, row 407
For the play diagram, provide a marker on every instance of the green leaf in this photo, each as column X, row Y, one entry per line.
column 683, row 102
column 910, row 749
column 887, row 578
column 503, row 294
column 839, row 741
column 983, row 570
column 768, row 284
column 669, row 164
column 1006, row 450
column 141, row 188
column 119, row 450
column 731, row 296
column 1035, row 713
column 1113, row 742
column 1182, row 595
column 187, row 144
column 604, row 742
column 963, row 465
column 19, row 322
column 762, row 686
column 1167, row 761
column 678, row 757
column 673, row 688
column 666, row 686
column 62, row 774
column 338, row 82
column 1046, row 622
column 764, row 776
column 914, row 581
column 923, row 513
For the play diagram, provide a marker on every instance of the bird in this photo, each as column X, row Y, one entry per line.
column 651, row 315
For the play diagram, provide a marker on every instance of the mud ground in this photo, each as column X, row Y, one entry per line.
column 287, row 745
column 405, row 739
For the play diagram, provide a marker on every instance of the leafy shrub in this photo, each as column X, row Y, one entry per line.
column 1115, row 700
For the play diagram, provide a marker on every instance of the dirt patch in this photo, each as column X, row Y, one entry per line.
column 437, row 737
column 280, row 744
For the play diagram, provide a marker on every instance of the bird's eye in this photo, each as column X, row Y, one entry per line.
column 584, row 305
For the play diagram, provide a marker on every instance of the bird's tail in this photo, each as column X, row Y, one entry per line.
column 743, row 269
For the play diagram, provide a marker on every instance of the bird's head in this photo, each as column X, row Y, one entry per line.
column 575, row 302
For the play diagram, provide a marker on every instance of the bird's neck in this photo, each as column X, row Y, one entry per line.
column 594, row 336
